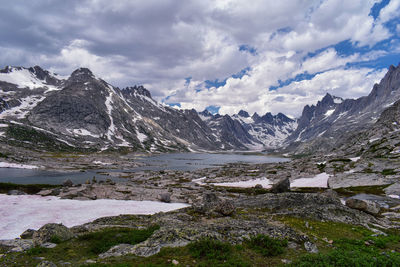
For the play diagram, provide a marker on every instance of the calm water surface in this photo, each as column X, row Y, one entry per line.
column 176, row 161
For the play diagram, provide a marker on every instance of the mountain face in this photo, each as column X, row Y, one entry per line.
column 85, row 112
column 333, row 120
column 42, row 110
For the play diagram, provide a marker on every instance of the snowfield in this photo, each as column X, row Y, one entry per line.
column 17, row 165
column 266, row 183
column 321, row 180
column 18, row 213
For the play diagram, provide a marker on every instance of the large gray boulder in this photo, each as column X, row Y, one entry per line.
column 281, row 186
column 51, row 232
column 363, row 205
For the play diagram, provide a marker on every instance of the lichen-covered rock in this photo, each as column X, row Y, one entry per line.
column 117, row 251
column 52, row 231
column 363, row 205
column 226, row 207
column 27, row 234
column 46, row 264
column 17, row 245
column 281, row 186
column 310, row 247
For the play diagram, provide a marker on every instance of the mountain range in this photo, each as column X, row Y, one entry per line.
column 45, row 111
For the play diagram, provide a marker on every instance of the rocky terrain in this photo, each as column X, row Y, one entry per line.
column 359, row 196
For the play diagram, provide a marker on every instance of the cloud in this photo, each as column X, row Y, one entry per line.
column 160, row 43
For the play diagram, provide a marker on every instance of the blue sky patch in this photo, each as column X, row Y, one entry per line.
column 213, row 109
column 248, row 48
column 377, row 8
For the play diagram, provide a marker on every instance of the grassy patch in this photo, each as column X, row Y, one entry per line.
column 388, row 172
column 27, row 188
column 210, row 249
column 266, row 245
column 350, row 252
column 102, row 241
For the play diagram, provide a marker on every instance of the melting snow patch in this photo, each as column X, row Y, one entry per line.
column 321, row 180
column 329, row 112
column 355, row 158
column 266, row 183
column 394, row 196
column 2, row 125
column 142, row 137
column 199, row 180
column 18, row 213
column 16, row 165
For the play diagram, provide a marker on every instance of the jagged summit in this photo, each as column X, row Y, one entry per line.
column 136, row 89
column 243, row 113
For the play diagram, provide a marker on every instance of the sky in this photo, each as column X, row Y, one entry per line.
column 225, row 55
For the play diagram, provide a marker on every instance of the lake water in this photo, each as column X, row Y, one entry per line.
column 175, row 161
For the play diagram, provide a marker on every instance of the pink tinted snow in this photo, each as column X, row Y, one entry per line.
column 321, row 180
column 18, row 213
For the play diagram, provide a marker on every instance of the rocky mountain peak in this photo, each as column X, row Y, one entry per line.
column 81, row 74
column 327, row 100
column 243, row 113
column 138, row 89
column 283, row 118
column 206, row 113
column 255, row 116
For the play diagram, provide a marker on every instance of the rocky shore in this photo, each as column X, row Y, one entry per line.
column 362, row 192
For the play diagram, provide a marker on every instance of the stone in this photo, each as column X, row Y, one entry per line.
column 46, row 264
column 48, row 245
column 165, row 197
column 17, row 245
column 117, row 251
column 16, row 192
column 27, row 234
column 310, row 247
column 281, row 186
column 226, row 207
column 175, row 262
column 51, row 230
column 68, row 183
column 363, row 205
column 258, row 186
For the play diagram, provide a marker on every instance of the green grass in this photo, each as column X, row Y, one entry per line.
column 266, row 245
column 102, row 241
column 350, row 252
column 27, row 188
column 388, row 172
column 348, row 248
column 210, row 249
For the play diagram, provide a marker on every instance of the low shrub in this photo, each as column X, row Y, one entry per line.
column 266, row 245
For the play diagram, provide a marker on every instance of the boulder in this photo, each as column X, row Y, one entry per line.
column 363, row 205
column 51, row 231
column 281, row 186
column 68, row 183
column 27, row 234
column 310, row 247
column 258, row 186
column 46, row 264
column 226, row 207
column 165, row 197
